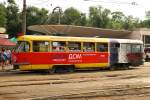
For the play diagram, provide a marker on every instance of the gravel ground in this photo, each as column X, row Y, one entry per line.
column 81, row 85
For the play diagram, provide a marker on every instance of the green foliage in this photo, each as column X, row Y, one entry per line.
column 117, row 16
column 11, row 2
column 72, row 16
column 53, row 18
column 130, row 23
column 13, row 20
column 99, row 17
column 3, row 18
column 148, row 14
column 117, row 20
column 146, row 23
column 36, row 16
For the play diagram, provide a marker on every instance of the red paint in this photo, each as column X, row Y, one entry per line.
column 135, row 58
column 60, row 58
column 6, row 42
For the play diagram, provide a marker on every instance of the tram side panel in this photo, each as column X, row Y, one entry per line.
column 40, row 60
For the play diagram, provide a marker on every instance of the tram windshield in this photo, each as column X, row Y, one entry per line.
column 22, row 46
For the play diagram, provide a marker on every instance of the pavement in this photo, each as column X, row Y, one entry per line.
column 6, row 68
column 146, row 64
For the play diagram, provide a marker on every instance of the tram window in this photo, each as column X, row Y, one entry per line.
column 58, row 46
column 114, row 47
column 22, row 46
column 136, row 48
column 102, row 47
column 74, row 46
column 88, row 47
column 40, row 46
column 128, row 48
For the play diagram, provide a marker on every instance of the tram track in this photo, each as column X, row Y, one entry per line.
column 104, row 92
column 44, row 81
column 76, row 86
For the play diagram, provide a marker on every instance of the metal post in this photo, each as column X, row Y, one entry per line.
column 24, row 18
column 59, row 16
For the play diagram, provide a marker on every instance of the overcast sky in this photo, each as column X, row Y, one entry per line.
column 136, row 8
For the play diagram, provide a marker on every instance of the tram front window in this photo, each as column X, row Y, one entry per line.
column 22, row 46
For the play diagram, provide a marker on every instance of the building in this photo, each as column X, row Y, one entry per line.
column 71, row 30
column 142, row 34
column 4, row 41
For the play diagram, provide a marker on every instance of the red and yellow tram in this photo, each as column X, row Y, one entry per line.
column 35, row 52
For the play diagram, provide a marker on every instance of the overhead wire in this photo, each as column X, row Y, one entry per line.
column 113, row 2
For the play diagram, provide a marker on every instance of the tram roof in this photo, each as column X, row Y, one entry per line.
column 79, row 31
column 61, row 38
column 126, row 41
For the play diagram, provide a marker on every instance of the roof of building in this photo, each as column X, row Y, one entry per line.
column 72, row 30
column 6, row 42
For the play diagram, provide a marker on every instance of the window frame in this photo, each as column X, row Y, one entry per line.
column 104, row 46
column 29, row 48
column 92, row 49
column 65, row 47
column 48, row 46
column 81, row 46
column 132, row 48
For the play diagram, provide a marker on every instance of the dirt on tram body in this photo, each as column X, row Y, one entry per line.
column 132, row 84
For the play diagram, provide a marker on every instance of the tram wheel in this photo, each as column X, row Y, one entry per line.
column 71, row 69
column 126, row 66
column 112, row 68
column 52, row 71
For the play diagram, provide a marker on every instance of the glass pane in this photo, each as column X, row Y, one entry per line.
column 128, row 48
column 88, row 47
column 22, row 46
column 136, row 48
column 40, row 46
column 102, row 47
column 114, row 47
column 74, row 46
column 58, row 46
column 147, row 39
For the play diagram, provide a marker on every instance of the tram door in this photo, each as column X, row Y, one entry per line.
column 124, row 50
column 114, row 49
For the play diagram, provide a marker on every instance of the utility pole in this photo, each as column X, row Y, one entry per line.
column 24, row 18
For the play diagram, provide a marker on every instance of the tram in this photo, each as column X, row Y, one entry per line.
column 37, row 52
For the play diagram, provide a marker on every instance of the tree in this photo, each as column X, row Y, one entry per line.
column 99, row 17
column 146, row 23
column 117, row 20
column 130, row 23
column 117, row 16
column 147, row 14
column 13, row 20
column 36, row 16
column 82, row 20
column 72, row 16
column 2, row 15
column 54, row 17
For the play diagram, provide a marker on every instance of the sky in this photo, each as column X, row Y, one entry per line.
column 136, row 8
